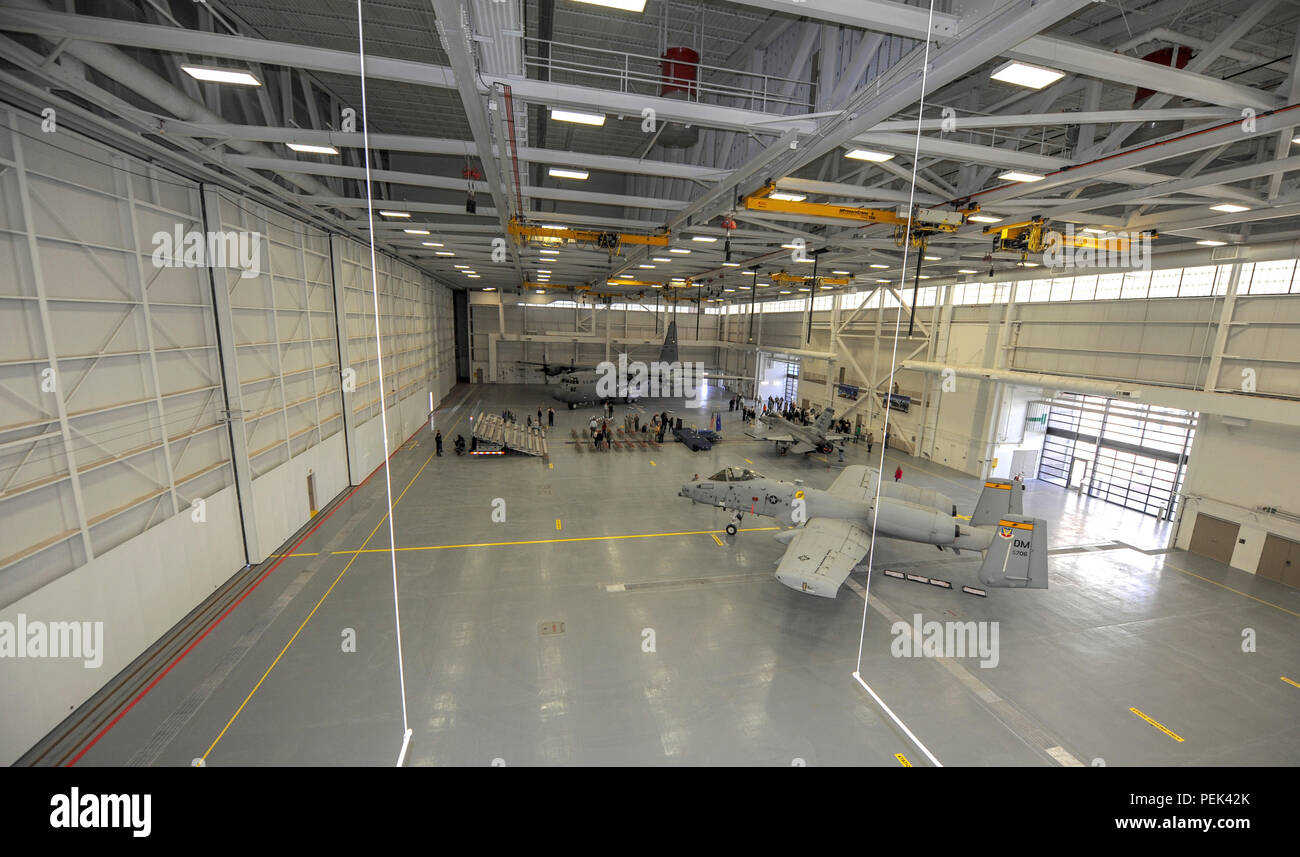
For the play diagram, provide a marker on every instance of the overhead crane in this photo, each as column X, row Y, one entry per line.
column 1034, row 236
column 917, row 229
column 610, row 242
column 783, row 277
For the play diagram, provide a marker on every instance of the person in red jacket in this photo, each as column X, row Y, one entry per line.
column 898, row 474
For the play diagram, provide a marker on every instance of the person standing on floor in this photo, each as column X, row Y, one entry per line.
column 898, row 474
column 539, row 417
column 871, row 438
column 550, row 417
column 437, row 441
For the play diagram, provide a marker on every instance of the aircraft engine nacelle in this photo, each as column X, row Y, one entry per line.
column 901, row 520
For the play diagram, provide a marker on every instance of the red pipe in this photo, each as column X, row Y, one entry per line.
column 514, row 151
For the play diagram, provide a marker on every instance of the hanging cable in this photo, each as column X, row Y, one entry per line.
column 383, row 411
column 893, row 363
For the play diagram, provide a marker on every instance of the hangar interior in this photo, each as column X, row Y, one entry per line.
column 252, row 263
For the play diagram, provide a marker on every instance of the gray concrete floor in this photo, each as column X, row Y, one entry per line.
column 745, row 671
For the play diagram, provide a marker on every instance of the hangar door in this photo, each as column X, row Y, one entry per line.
column 1123, row 452
column 1280, row 560
column 1214, row 538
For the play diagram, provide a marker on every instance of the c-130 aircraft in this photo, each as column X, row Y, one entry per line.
column 835, row 535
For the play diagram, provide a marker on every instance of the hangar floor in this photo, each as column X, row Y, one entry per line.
column 524, row 640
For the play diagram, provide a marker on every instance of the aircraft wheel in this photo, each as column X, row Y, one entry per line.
column 572, row 406
column 731, row 529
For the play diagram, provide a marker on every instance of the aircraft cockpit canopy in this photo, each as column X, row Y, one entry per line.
column 735, row 474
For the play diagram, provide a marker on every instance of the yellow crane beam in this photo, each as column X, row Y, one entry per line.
column 923, row 221
column 783, row 277
column 1034, row 235
column 606, row 240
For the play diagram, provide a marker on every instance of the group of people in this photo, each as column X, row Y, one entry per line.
column 601, row 434
column 602, row 431
column 509, row 417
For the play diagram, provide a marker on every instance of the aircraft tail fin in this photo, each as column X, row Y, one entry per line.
column 1000, row 497
column 1017, row 558
column 668, row 354
column 823, row 423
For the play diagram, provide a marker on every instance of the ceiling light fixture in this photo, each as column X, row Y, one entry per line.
column 431, row 244
column 786, row 196
column 1017, row 176
column 984, row 218
column 416, row 231
column 313, row 150
column 556, row 172
column 704, row 239
column 869, row 155
column 383, row 213
column 1206, row 242
column 624, row 5
column 682, row 251
column 1026, row 75
column 1229, row 208
column 578, row 117
column 221, row 75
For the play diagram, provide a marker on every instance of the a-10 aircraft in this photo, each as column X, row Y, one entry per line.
column 786, row 434
column 835, row 535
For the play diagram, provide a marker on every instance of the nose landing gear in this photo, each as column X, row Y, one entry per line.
column 734, row 526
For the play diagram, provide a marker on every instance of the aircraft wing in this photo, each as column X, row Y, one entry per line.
column 856, row 482
column 821, row 555
column 783, row 438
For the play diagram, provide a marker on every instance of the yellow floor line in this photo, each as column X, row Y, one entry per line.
column 718, row 540
column 902, row 760
column 1289, row 681
column 1160, row 726
column 222, row 733
column 553, row 541
column 1230, row 589
column 557, row 523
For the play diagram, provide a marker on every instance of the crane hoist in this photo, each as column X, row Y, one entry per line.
column 1035, row 236
column 783, row 277
column 610, row 242
column 924, row 222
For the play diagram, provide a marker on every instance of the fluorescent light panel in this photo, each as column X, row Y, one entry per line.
column 559, row 173
column 578, row 117
column 383, row 213
column 1017, row 176
column 1026, row 75
column 313, row 150
column 1229, row 208
column 625, row 5
column 869, row 155
column 984, row 218
column 221, row 75
column 787, row 196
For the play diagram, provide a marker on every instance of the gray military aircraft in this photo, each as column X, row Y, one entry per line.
column 786, row 434
column 833, row 532
column 582, row 386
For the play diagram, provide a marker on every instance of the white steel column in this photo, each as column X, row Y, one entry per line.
column 1211, row 382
